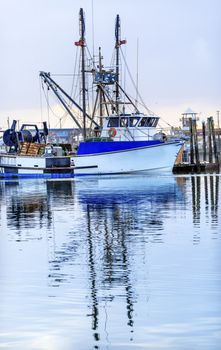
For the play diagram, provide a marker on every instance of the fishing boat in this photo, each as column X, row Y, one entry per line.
column 127, row 142
column 117, row 142
column 125, row 153
column 122, row 142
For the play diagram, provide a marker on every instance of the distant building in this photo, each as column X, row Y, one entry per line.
column 189, row 113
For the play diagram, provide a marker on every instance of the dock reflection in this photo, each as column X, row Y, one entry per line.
column 27, row 207
column 205, row 198
column 30, row 205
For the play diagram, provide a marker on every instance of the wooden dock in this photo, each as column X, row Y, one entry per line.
column 186, row 168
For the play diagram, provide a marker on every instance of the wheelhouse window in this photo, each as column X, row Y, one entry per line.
column 143, row 122
column 133, row 121
column 124, row 121
column 154, row 121
column 148, row 122
column 113, row 122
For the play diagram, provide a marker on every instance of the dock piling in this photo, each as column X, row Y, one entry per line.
column 209, row 140
column 204, row 141
column 214, row 141
column 191, row 141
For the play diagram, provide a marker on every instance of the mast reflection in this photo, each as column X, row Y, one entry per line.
column 92, row 269
column 115, row 217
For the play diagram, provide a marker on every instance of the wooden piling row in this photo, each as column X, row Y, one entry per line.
column 210, row 156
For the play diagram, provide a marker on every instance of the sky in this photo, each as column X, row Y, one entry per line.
column 178, row 56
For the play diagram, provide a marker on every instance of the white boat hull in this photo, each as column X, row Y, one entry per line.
column 150, row 158
column 35, row 166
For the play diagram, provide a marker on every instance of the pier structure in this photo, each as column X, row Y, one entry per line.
column 202, row 152
column 188, row 115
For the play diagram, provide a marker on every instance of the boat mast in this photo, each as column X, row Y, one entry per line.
column 118, row 44
column 117, row 47
column 100, row 91
column 82, row 45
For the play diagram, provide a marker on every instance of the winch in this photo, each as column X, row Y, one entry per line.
column 12, row 138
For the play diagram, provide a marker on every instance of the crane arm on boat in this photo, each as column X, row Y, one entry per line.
column 54, row 86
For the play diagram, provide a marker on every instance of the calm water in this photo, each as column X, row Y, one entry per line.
column 111, row 263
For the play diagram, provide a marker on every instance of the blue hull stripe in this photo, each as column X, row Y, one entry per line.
column 35, row 176
column 113, row 146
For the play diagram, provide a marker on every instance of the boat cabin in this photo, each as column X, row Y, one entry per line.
column 130, row 127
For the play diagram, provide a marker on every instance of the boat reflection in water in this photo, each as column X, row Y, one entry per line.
column 122, row 216
column 113, row 250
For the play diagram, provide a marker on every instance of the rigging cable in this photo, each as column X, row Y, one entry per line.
column 138, row 94
column 41, row 107
column 75, row 73
column 49, row 108
column 125, row 50
column 70, row 104
column 132, row 80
